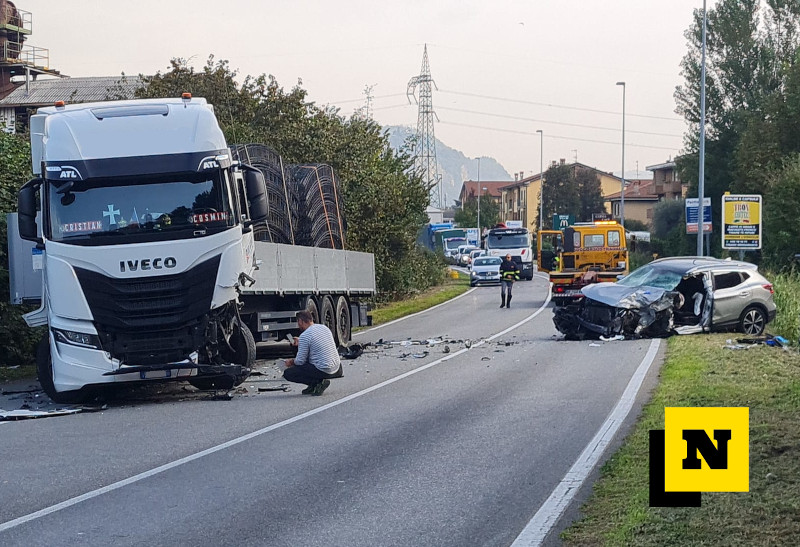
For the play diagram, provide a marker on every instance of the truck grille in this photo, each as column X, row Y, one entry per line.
column 151, row 320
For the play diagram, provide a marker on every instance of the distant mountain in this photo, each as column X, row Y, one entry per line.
column 454, row 166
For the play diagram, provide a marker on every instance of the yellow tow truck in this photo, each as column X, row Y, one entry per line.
column 587, row 252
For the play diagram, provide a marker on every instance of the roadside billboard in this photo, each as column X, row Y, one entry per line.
column 741, row 221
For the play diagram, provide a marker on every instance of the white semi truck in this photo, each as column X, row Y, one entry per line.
column 514, row 241
column 141, row 227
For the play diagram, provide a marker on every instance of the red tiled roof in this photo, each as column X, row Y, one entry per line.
column 636, row 189
column 471, row 187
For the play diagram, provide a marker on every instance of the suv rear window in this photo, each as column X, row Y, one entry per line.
column 727, row 280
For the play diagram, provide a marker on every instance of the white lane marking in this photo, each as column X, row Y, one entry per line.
column 552, row 509
column 413, row 314
column 233, row 442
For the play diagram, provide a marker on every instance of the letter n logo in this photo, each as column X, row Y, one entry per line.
column 707, row 449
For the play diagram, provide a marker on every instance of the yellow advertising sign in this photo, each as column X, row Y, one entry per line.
column 741, row 221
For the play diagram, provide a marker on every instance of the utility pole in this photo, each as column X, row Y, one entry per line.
column 541, row 178
column 622, row 174
column 479, row 202
column 368, row 93
column 425, row 150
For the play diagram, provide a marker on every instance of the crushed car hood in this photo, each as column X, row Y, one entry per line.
column 619, row 296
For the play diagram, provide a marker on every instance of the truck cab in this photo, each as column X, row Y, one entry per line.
column 590, row 252
column 145, row 227
column 513, row 241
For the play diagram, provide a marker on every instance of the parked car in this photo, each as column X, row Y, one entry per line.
column 473, row 255
column 485, row 269
column 673, row 295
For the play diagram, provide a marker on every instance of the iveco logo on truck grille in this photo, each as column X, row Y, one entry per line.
column 147, row 264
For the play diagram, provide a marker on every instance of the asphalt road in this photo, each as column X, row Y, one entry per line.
column 458, row 446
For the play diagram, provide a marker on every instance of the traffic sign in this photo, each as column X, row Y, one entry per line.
column 691, row 215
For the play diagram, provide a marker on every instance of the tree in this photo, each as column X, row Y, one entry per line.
column 750, row 58
column 571, row 190
column 17, row 340
column 384, row 200
column 468, row 215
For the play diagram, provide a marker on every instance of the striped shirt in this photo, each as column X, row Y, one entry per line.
column 317, row 347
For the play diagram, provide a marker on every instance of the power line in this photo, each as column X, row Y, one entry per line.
column 554, row 122
column 565, row 107
column 551, row 136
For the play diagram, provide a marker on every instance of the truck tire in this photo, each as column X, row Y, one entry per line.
column 44, row 369
column 313, row 308
column 343, row 325
column 244, row 354
column 327, row 314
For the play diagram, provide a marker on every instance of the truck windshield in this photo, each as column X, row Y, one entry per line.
column 139, row 208
column 507, row 241
column 453, row 243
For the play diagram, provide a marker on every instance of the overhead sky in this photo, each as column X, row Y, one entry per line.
column 503, row 68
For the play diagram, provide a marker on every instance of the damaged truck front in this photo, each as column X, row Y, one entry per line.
column 141, row 226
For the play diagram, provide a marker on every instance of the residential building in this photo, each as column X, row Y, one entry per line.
column 641, row 197
column 520, row 199
column 470, row 189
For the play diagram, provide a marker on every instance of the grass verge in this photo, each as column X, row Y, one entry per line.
column 390, row 311
column 699, row 372
column 22, row 372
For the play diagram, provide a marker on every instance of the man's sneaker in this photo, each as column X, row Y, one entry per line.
column 309, row 390
column 320, row 387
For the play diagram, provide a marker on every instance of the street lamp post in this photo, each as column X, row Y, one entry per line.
column 479, row 202
column 622, row 183
column 702, row 152
column 541, row 178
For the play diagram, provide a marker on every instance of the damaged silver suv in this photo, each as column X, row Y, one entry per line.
column 673, row 296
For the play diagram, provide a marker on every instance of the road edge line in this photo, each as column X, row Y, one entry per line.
column 562, row 495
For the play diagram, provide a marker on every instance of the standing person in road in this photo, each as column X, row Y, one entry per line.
column 509, row 272
column 317, row 358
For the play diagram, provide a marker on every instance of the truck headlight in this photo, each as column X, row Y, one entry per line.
column 80, row 339
column 474, row 273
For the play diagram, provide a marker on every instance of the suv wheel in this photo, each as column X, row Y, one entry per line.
column 753, row 321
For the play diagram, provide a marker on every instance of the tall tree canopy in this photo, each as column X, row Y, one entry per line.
column 571, row 190
column 384, row 201
column 752, row 102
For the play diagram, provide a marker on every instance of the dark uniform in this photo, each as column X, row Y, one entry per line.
column 509, row 272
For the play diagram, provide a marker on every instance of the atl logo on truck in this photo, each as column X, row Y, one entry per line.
column 147, row 264
column 65, row 172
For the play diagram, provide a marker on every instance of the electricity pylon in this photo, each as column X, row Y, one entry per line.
column 425, row 149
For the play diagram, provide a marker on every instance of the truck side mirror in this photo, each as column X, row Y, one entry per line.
column 26, row 207
column 256, row 187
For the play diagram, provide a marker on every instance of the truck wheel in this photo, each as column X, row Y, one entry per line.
column 328, row 314
column 44, row 369
column 312, row 308
column 244, row 354
column 342, row 321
